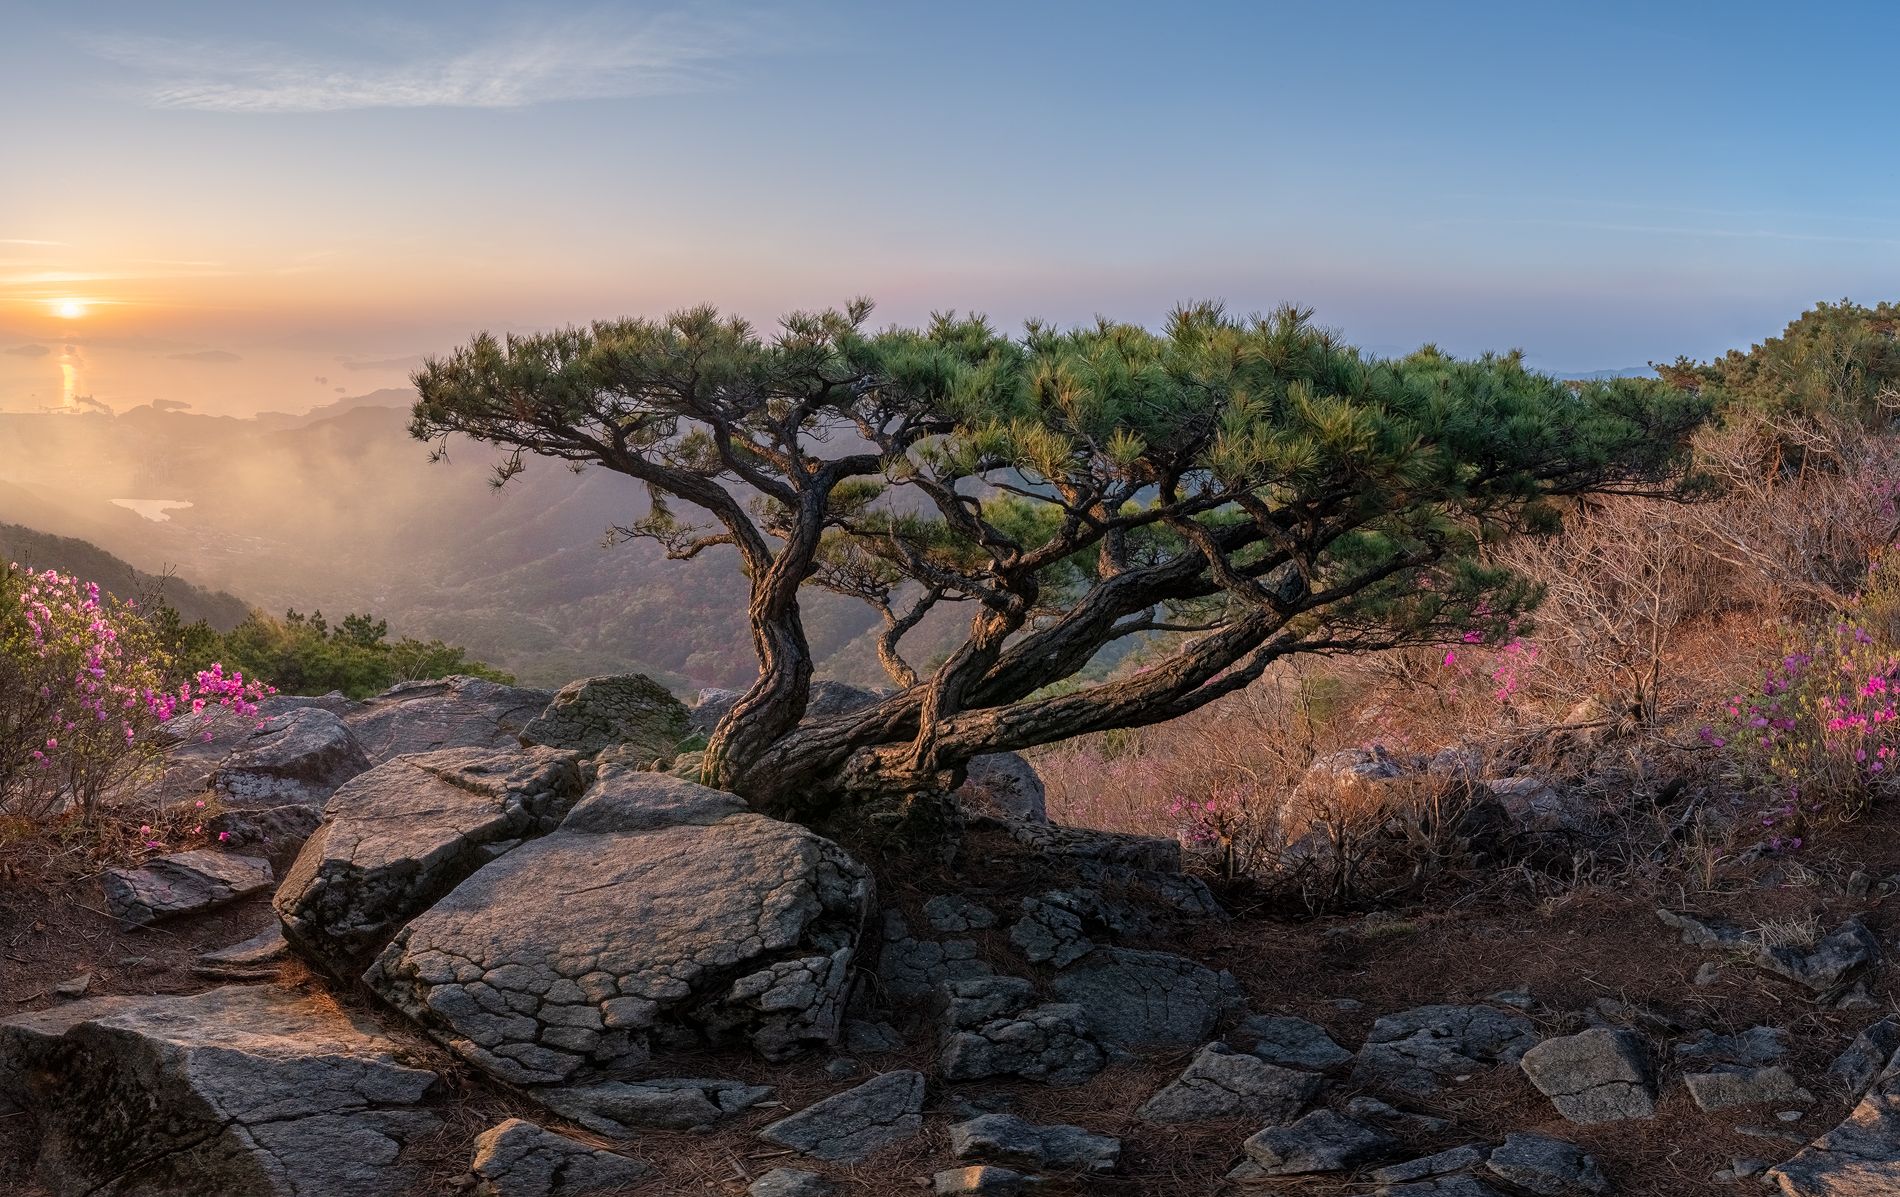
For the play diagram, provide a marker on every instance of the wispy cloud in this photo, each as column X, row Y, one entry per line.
column 596, row 58
column 27, row 241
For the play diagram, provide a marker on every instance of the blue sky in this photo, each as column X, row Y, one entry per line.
column 1600, row 185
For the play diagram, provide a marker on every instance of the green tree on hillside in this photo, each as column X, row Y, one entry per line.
column 1836, row 361
column 305, row 654
column 1251, row 487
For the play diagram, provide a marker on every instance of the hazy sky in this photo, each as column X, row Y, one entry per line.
column 265, row 205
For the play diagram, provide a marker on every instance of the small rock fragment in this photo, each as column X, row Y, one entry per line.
column 1548, row 1167
column 1008, row 1139
column 73, row 987
column 954, row 912
column 1736, row 1086
column 1854, row 1069
column 1599, row 1075
column 1456, row 1160
column 1223, row 1083
column 182, row 883
column 675, row 1103
column 790, row 1182
column 1323, row 1141
column 520, row 1159
column 849, row 1127
column 979, row 1181
column 1291, row 1042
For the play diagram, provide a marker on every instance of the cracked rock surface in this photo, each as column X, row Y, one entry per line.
column 181, row 883
column 849, row 1127
column 951, row 913
column 1858, row 1158
column 299, row 757
column 1599, row 1075
column 628, row 710
column 237, row 1090
column 1224, row 1083
column 1050, row 931
column 912, row 967
column 1075, row 845
column 1739, row 1086
column 1150, row 999
column 519, row 1159
column 659, row 911
column 1007, row 1139
column 1548, row 1167
column 1439, row 1164
column 400, row 836
column 451, row 712
column 1855, row 1069
column 1413, row 1050
column 993, row 1028
column 1291, row 1042
column 674, row 1103
column 1323, row 1141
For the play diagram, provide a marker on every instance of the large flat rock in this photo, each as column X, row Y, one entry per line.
column 659, row 911
column 405, row 833
column 453, row 712
column 245, row 1091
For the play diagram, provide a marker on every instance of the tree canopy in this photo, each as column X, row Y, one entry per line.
column 1247, row 488
column 1835, row 360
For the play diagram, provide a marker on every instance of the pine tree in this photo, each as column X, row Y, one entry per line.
column 1243, row 490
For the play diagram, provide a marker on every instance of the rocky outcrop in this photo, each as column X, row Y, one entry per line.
column 452, row 712
column 397, row 838
column 196, row 742
column 1599, row 1075
column 994, row 1027
column 851, row 1126
column 1080, row 846
column 1413, row 1050
column 239, row 1090
column 659, row 911
column 910, row 967
column 182, row 883
column 630, row 712
column 298, row 758
column 519, row 1159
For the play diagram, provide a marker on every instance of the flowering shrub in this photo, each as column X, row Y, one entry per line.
column 84, row 681
column 1821, row 733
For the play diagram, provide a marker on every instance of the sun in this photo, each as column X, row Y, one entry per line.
column 69, row 309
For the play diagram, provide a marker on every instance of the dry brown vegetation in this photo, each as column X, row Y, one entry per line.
column 1654, row 613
